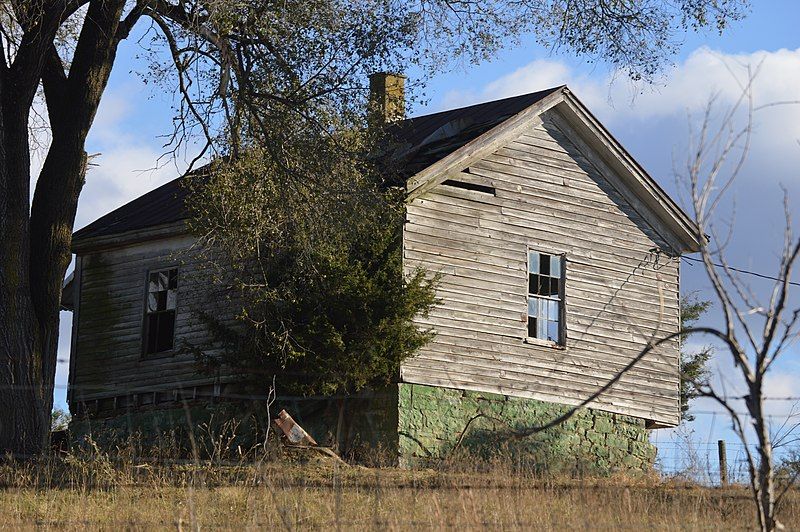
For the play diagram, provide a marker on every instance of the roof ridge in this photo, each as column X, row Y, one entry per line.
column 473, row 105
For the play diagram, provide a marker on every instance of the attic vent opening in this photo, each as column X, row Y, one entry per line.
column 486, row 189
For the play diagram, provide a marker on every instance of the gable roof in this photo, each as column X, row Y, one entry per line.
column 594, row 141
column 427, row 150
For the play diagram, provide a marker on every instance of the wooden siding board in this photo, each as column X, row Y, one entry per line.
column 577, row 354
column 108, row 347
column 548, row 194
column 435, row 376
column 554, row 379
column 508, row 233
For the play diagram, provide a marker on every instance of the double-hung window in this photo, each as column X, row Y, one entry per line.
column 160, row 308
column 546, row 297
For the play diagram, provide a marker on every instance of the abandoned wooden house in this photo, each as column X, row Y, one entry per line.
column 559, row 258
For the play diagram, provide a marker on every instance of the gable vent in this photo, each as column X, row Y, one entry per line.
column 486, row 189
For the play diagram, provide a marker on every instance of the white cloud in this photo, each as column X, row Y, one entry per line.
column 686, row 88
column 123, row 172
column 538, row 75
column 125, row 162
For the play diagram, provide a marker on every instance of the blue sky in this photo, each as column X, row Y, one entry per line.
column 652, row 122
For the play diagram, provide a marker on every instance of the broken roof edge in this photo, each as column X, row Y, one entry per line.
column 682, row 227
column 452, row 163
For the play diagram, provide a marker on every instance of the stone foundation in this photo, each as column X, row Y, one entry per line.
column 415, row 425
column 432, row 421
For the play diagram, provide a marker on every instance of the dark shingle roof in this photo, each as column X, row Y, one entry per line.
column 160, row 206
column 426, row 139
column 420, row 142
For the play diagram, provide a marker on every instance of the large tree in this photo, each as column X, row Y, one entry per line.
column 216, row 55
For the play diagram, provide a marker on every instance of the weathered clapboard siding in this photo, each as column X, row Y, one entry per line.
column 549, row 196
column 108, row 336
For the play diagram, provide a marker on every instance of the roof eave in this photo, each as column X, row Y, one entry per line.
column 81, row 246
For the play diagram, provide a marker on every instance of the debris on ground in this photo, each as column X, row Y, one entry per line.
column 293, row 432
column 300, row 440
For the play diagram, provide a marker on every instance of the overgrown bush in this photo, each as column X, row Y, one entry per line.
column 309, row 273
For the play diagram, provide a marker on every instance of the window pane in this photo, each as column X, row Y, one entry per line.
column 532, row 327
column 171, row 299
column 161, row 300
column 552, row 331
column 533, row 262
column 173, row 279
column 555, row 265
column 533, row 307
column 533, row 283
column 544, row 264
column 541, row 329
column 553, row 286
column 166, row 331
column 542, row 288
column 552, row 310
column 543, row 308
column 163, row 280
column 152, row 334
column 152, row 303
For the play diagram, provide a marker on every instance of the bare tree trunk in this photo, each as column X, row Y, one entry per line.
column 764, row 480
column 753, row 352
column 63, row 173
column 35, row 244
column 30, row 297
column 22, row 430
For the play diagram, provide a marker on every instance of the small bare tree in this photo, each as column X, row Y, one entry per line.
column 755, row 333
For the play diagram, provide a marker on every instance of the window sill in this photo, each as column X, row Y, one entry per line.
column 542, row 343
column 156, row 356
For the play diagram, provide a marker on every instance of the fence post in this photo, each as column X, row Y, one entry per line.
column 723, row 463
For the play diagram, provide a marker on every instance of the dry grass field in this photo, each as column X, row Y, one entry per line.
column 78, row 494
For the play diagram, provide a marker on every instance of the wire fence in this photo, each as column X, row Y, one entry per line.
column 680, row 455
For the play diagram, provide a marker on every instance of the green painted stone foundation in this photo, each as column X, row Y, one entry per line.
column 414, row 425
column 432, row 420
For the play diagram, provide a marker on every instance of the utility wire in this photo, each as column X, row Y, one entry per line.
column 740, row 270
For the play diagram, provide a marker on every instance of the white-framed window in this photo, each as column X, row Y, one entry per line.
column 546, row 296
column 161, row 304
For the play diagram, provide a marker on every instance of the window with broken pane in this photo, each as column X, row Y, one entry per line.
column 545, row 298
column 160, row 309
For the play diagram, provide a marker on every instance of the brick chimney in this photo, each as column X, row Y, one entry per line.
column 387, row 101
